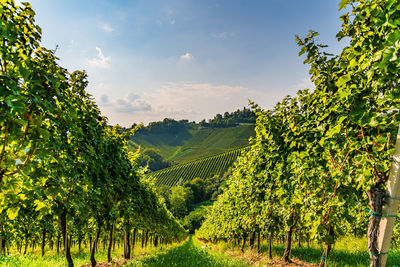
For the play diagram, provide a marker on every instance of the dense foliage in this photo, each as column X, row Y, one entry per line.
column 63, row 171
column 166, row 126
column 320, row 158
column 182, row 199
column 195, row 219
column 152, row 160
column 230, row 119
column 171, row 126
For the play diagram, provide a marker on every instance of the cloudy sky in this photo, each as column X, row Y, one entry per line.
column 151, row 59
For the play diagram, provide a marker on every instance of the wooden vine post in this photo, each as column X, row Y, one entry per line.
column 391, row 205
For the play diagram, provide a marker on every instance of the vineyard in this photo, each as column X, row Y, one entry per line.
column 66, row 177
column 194, row 142
column 325, row 163
column 206, row 167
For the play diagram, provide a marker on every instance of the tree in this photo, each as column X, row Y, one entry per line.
column 194, row 219
column 35, row 97
column 363, row 87
column 197, row 187
column 343, row 152
column 181, row 199
column 153, row 160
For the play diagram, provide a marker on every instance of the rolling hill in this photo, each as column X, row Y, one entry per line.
column 193, row 141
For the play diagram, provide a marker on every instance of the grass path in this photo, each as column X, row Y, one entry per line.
column 190, row 253
column 348, row 252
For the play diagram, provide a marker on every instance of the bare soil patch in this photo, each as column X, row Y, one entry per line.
column 255, row 259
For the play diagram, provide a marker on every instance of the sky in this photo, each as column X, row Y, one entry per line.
column 148, row 60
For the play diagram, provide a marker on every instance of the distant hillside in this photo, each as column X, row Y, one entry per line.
column 192, row 141
column 202, row 168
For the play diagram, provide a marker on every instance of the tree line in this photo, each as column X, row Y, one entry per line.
column 171, row 126
column 230, row 119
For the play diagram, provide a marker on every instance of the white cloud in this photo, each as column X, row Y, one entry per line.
column 183, row 100
column 129, row 104
column 123, row 105
column 304, row 83
column 222, row 35
column 71, row 45
column 106, row 27
column 132, row 97
column 172, row 21
column 168, row 11
column 187, row 56
column 100, row 61
column 104, row 100
column 167, row 111
column 195, row 101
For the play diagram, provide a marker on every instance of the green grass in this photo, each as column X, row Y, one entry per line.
column 348, row 251
column 206, row 203
column 190, row 253
column 192, row 144
column 51, row 259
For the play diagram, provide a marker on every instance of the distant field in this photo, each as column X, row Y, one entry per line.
column 205, row 167
column 192, row 144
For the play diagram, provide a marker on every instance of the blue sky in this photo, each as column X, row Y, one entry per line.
column 150, row 59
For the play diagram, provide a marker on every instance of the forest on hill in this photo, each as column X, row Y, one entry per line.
column 171, row 126
column 171, row 142
column 192, row 144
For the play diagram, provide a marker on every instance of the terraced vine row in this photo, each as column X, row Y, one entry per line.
column 214, row 165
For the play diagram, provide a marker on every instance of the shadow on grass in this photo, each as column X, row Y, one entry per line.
column 186, row 254
column 50, row 259
column 36, row 259
column 337, row 258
